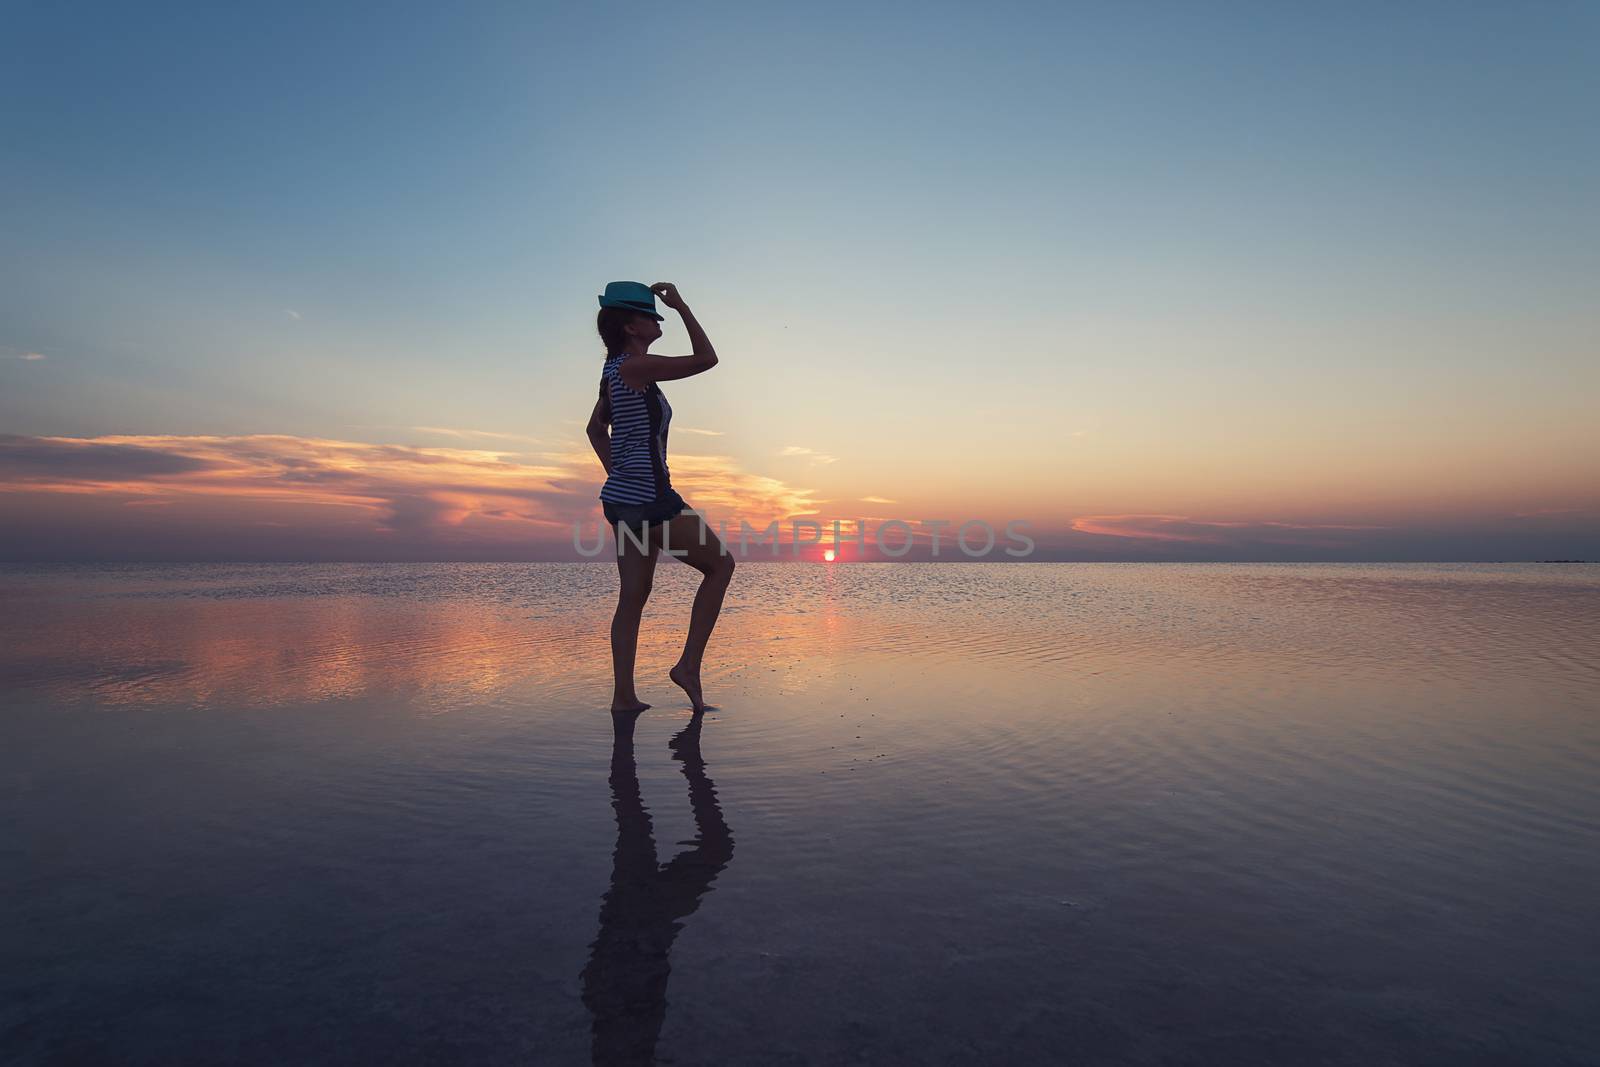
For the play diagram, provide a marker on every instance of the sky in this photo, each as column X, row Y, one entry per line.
column 1159, row 281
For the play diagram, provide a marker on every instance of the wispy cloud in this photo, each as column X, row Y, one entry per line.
column 813, row 454
column 717, row 485
column 34, row 461
column 493, row 435
column 1182, row 528
column 877, row 500
column 1540, row 512
column 354, row 492
column 293, row 314
column 26, row 357
column 695, row 429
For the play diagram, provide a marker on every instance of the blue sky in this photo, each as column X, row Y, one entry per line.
column 936, row 231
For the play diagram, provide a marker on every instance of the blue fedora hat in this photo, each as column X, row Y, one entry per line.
column 631, row 296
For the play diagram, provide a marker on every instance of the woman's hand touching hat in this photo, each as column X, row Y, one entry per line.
column 669, row 295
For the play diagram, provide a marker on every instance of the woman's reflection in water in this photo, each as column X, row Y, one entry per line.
column 625, row 981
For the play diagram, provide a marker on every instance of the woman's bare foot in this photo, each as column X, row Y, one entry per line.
column 637, row 705
column 689, row 681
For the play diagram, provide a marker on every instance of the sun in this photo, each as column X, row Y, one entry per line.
column 827, row 555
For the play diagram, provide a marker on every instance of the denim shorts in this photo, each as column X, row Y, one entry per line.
column 636, row 516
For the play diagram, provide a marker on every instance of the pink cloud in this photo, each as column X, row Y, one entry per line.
column 204, row 489
column 1181, row 528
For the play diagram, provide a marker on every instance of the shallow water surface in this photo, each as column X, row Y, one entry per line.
column 941, row 813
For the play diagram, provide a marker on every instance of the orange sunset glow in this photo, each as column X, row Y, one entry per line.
column 281, row 496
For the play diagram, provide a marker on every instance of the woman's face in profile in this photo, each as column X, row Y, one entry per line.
column 646, row 329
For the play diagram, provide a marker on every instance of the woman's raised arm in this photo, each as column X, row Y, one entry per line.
column 640, row 371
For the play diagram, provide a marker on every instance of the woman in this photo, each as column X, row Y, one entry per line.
column 638, row 490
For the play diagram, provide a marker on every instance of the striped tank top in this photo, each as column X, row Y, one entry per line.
column 638, row 438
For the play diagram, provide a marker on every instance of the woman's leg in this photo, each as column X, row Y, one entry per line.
column 705, row 553
column 636, row 571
